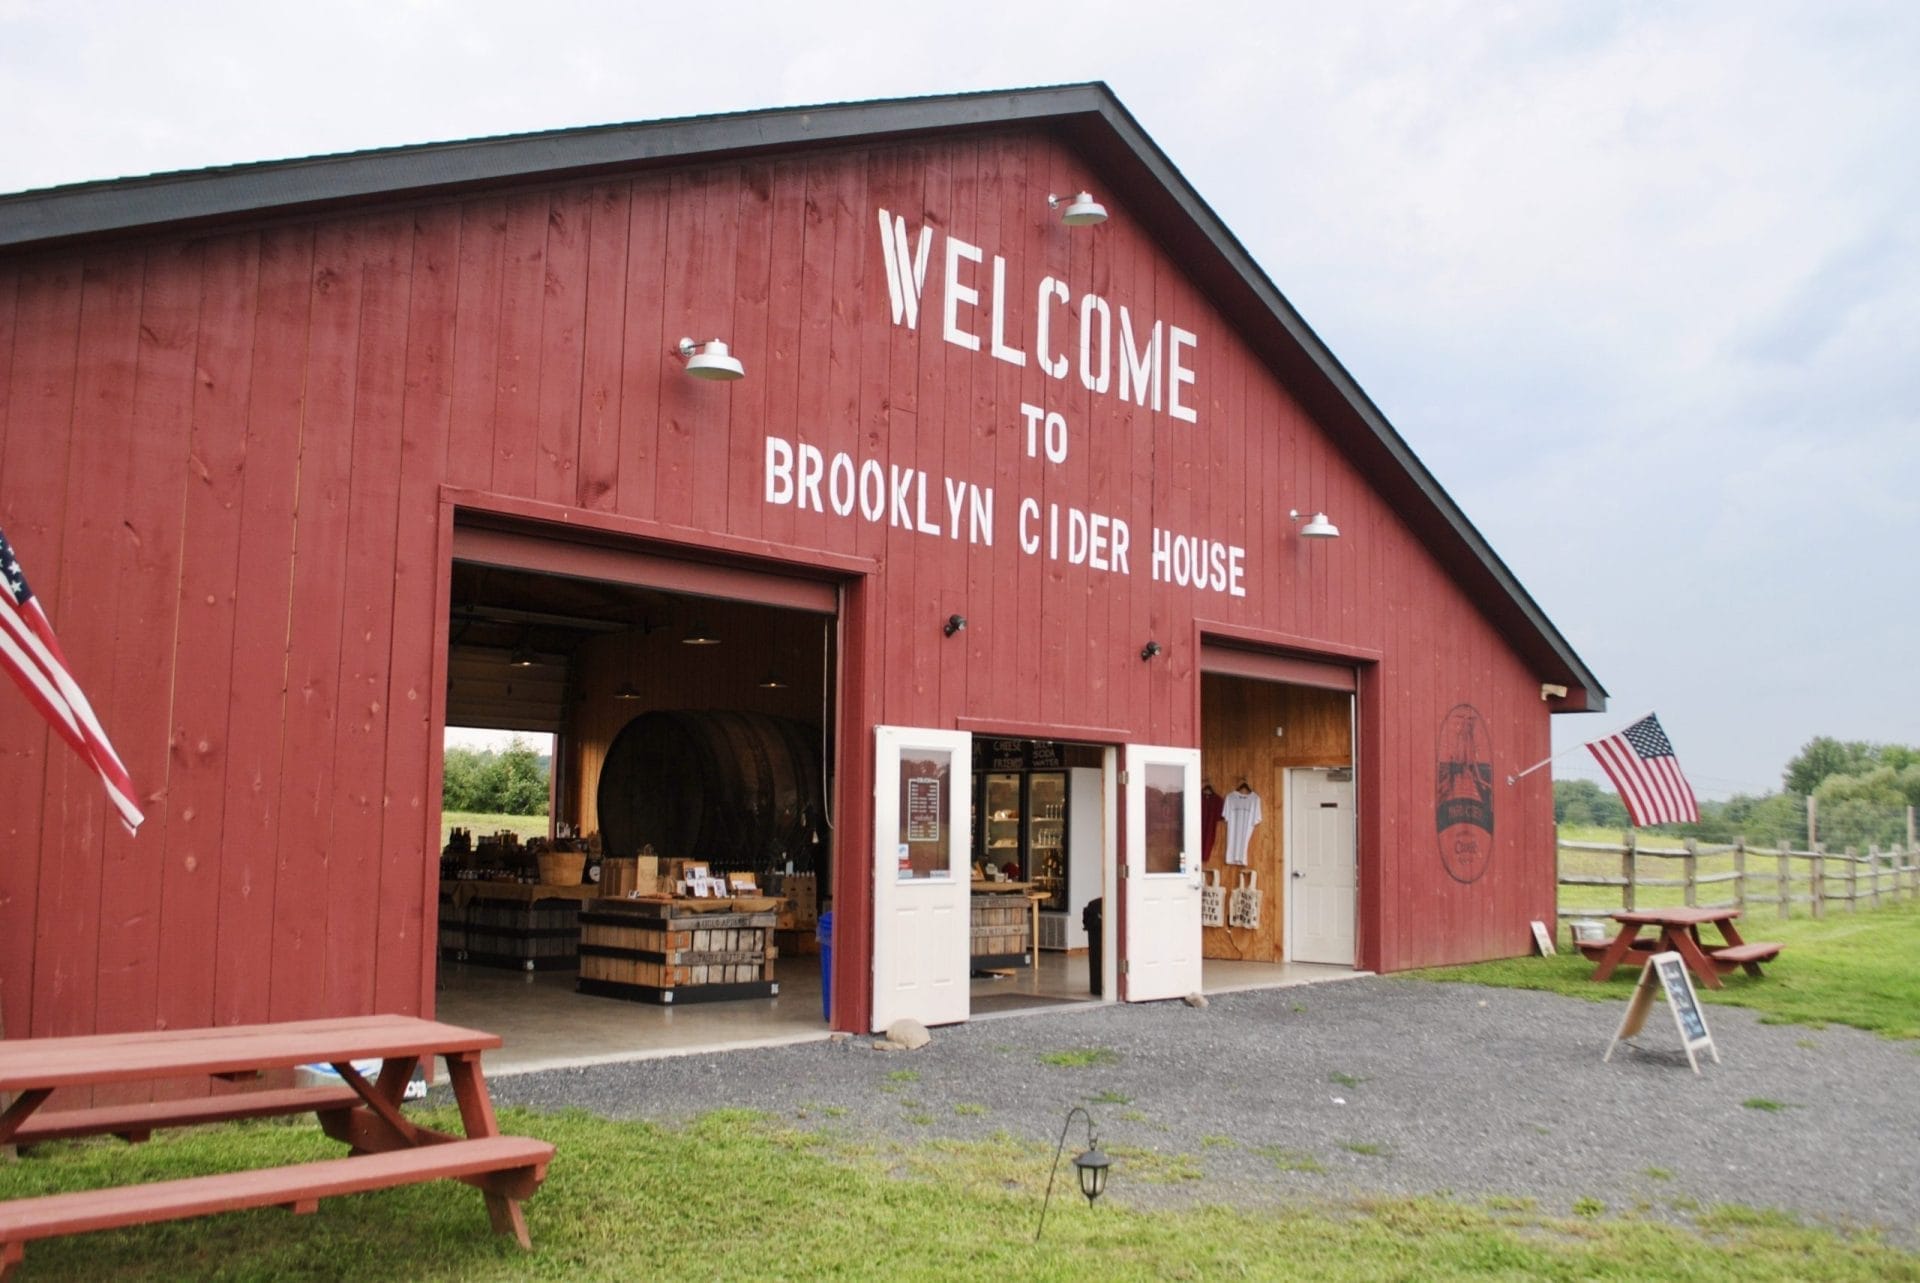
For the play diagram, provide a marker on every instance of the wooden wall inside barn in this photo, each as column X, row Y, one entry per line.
column 221, row 461
column 1238, row 718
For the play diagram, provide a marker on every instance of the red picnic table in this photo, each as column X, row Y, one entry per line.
column 384, row 1149
column 1679, row 931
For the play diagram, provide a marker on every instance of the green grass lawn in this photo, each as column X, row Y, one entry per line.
column 738, row 1196
column 1860, row 969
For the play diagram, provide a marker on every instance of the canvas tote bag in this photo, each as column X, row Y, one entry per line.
column 1244, row 908
column 1213, row 901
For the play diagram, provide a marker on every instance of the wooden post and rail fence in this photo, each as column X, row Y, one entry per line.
column 1758, row 876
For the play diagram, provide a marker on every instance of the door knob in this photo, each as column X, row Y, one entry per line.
column 1298, row 874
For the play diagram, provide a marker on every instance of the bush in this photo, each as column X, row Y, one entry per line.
column 512, row 781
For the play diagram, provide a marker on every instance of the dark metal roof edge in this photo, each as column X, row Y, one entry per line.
column 64, row 213
column 267, row 187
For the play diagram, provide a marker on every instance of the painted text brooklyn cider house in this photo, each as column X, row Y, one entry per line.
column 313, row 458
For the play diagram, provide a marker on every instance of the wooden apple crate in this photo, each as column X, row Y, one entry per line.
column 676, row 951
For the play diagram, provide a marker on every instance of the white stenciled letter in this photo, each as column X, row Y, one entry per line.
column 1050, row 291
column 1139, row 370
column 906, row 272
column 1178, row 373
column 1095, row 378
column 1011, row 355
column 957, row 294
column 779, row 470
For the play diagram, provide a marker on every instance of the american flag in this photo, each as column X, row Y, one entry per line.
column 31, row 655
column 1641, row 764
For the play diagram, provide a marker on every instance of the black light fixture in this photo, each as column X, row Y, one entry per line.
column 1149, row 650
column 1090, row 1163
column 772, row 682
column 954, row 624
column 698, row 634
column 523, row 656
column 627, row 690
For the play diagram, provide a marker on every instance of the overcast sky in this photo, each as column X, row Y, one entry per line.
column 1640, row 283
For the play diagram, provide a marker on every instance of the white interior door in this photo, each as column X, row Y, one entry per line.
column 922, row 875
column 1162, row 954
column 1320, row 858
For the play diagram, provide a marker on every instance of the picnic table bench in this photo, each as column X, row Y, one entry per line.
column 1677, row 929
column 384, row 1148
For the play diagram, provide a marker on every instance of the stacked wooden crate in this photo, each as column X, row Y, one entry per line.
column 1000, row 931
column 669, row 951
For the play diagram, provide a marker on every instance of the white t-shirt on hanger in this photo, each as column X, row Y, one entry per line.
column 1242, row 813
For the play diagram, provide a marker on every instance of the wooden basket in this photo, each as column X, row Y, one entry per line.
column 562, row 868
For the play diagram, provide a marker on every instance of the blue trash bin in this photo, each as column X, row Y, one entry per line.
column 823, row 932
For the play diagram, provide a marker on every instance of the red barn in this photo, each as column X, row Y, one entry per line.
column 1045, row 547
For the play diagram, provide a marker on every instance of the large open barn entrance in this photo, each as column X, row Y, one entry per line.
column 694, row 716
column 1279, row 794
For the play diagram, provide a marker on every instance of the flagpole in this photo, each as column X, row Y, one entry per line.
column 1513, row 779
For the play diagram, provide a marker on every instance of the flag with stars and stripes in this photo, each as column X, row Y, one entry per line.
column 32, row 657
column 1641, row 764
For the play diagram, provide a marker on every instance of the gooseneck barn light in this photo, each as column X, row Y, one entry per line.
column 710, row 360
column 1318, row 528
column 1082, row 211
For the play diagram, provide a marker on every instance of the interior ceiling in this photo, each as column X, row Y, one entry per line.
column 496, row 607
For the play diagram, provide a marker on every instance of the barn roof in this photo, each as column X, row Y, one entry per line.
column 1087, row 117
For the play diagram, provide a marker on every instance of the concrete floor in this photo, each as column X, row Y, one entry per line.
column 546, row 1025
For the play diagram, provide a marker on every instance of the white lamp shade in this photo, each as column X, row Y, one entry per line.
column 711, row 360
column 1319, row 528
column 1084, row 211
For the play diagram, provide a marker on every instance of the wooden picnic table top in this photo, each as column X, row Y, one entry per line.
column 27, row 1064
column 1676, row 916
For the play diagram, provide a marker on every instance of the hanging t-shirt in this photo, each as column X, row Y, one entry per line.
column 1211, row 807
column 1242, row 812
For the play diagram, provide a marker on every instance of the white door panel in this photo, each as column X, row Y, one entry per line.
column 922, row 875
column 1162, row 954
column 1321, row 891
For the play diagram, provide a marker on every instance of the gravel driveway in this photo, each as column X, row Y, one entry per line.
column 1384, row 1086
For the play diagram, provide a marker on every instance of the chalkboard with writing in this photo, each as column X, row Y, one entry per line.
column 1667, row 973
column 1681, row 997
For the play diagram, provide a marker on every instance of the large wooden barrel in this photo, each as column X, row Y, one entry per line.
column 739, row 790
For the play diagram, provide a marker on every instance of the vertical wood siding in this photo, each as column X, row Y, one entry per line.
column 221, row 460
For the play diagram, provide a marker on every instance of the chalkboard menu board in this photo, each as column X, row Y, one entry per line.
column 1045, row 755
column 1680, row 995
column 1667, row 973
column 1018, row 755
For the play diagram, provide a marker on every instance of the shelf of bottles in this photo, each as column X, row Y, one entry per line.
column 1047, row 838
column 1000, row 836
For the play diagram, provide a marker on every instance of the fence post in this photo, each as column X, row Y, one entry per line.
column 1873, row 875
column 1626, row 869
column 1853, row 881
column 1689, row 870
column 1740, row 874
column 1783, row 880
column 1817, row 884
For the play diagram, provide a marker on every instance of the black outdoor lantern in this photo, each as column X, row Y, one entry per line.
column 1091, row 1163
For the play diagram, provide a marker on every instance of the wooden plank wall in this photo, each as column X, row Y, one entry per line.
column 221, row 460
column 1238, row 718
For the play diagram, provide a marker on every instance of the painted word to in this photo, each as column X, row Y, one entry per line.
column 1111, row 350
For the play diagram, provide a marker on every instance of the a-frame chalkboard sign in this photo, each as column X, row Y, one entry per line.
column 1668, row 971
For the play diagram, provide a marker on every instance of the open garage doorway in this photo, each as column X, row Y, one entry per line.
column 686, row 725
column 1278, row 820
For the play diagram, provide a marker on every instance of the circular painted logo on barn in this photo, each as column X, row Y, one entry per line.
column 1463, row 794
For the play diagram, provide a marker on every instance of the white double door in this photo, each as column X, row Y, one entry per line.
column 922, row 875
column 1162, row 953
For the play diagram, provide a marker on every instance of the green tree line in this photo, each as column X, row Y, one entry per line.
column 1861, row 789
column 512, row 781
